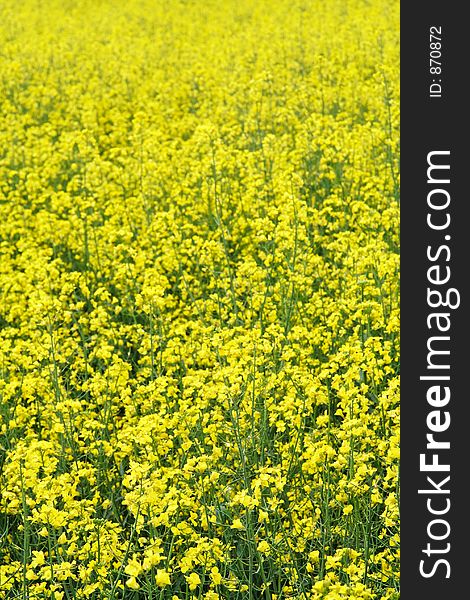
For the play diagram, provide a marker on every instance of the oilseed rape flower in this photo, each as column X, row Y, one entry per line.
column 263, row 547
column 193, row 581
column 133, row 568
column 132, row 583
column 216, row 576
column 199, row 274
column 162, row 578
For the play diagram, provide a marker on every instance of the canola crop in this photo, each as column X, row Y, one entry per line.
column 199, row 325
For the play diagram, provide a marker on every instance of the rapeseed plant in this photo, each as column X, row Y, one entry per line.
column 199, row 235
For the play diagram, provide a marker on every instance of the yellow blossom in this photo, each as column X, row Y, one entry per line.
column 193, row 580
column 162, row 578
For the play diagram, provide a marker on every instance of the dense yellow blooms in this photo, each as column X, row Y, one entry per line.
column 199, row 326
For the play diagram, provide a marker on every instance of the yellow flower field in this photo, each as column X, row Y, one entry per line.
column 199, row 325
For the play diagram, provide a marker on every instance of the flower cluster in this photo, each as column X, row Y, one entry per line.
column 199, row 326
